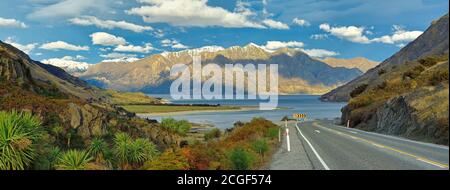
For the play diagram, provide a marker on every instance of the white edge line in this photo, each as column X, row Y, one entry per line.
column 313, row 149
column 393, row 137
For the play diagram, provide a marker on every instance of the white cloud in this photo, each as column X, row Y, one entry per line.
column 119, row 57
column 357, row 34
column 301, row 22
column 399, row 37
column 60, row 45
column 350, row 33
column 173, row 44
column 320, row 53
column 274, row 45
column 191, row 13
column 105, row 39
column 275, row 24
column 109, row 24
column 27, row 48
column 318, row 36
column 67, row 8
column 137, row 49
column 12, row 23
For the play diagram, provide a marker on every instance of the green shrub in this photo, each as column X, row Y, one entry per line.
column 432, row 60
column 439, row 77
column 74, row 160
column 241, row 159
column 213, row 134
column 261, row 147
column 358, row 90
column 129, row 151
column 381, row 72
column 181, row 127
column 413, row 73
column 18, row 135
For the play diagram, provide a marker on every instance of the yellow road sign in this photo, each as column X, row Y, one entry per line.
column 299, row 116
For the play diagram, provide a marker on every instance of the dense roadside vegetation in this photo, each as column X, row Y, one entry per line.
column 25, row 144
column 246, row 146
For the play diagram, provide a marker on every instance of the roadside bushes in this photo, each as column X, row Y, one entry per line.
column 237, row 149
column 181, row 127
column 213, row 134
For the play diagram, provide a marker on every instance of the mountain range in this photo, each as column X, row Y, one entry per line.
column 299, row 73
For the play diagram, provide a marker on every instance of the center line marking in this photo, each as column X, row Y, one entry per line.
column 313, row 149
column 317, row 131
column 419, row 158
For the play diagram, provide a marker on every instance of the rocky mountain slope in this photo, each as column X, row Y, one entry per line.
column 406, row 95
column 298, row 72
column 360, row 63
column 72, row 112
column 433, row 42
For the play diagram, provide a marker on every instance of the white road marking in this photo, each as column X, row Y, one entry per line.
column 313, row 149
column 317, row 131
column 354, row 132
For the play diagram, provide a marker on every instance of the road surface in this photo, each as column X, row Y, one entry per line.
column 324, row 146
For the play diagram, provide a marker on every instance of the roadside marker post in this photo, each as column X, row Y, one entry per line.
column 287, row 140
column 348, row 123
column 279, row 134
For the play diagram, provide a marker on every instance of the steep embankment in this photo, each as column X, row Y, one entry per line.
column 434, row 41
column 406, row 95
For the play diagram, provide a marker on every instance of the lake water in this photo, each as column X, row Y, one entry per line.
column 288, row 104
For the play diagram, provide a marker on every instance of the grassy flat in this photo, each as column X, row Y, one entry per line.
column 171, row 108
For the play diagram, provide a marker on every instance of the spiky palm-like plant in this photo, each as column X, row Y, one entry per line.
column 74, row 160
column 130, row 151
column 18, row 133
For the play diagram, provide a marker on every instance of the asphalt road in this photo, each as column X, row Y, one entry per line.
column 331, row 147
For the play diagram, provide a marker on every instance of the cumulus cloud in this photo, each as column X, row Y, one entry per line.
column 318, row 36
column 357, row 34
column 175, row 44
column 399, row 37
column 27, row 48
column 350, row 33
column 191, row 13
column 320, row 53
column 108, row 24
column 301, row 22
column 60, row 45
column 12, row 23
column 146, row 48
column 67, row 8
column 105, row 39
column 274, row 45
column 275, row 24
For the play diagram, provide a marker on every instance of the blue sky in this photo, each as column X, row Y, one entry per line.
column 89, row 31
